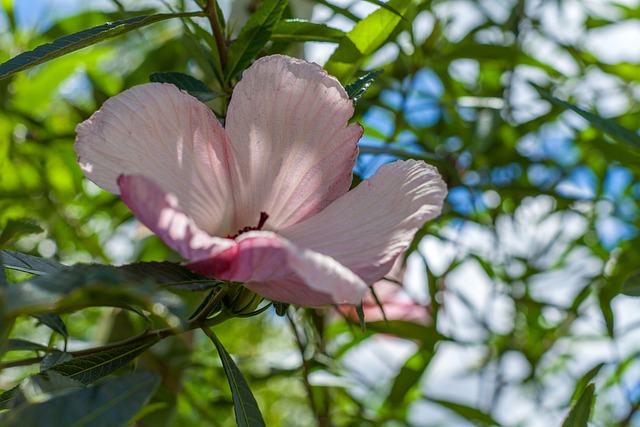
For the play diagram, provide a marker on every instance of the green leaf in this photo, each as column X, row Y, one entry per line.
column 80, row 286
column 364, row 39
column 608, row 126
column 16, row 228
column 581, row 411
column 606, row 293
column 583, row 382
column 253, row 37
column 404, row 329
column 53, row 359
column 29, row 263
column 53, row 322
column 170, row 275
column 3, row 275
column 409, row 376
column 16, row 344
column 79, row 40
column 361, row 319
column 36, row 385
column 185, row 82
column 631, row 285
column 280, row 308
column 356, row 89
column 469, row 413
column 386, row 6
column 244, row 404
column 87, row 369
column 6, row 323
column 297, row 30
column 112, row 402
column 7, row 398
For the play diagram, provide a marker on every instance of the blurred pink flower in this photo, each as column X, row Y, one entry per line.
column 396, row 303
column 265, row 200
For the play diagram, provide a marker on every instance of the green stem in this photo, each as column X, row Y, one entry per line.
column 212, row 14
column 306, row 372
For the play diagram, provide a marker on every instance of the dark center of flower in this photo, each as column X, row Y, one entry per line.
column 261, row 222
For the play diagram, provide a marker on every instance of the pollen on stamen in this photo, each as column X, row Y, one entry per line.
column 263, row 219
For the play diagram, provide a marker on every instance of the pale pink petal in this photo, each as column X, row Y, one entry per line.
column 292, row 146
column 161, row 213
column 160, row 132
column 408, row 311
column 278, row 270
column 402, row 309
column 367, row 228
column 397, row 305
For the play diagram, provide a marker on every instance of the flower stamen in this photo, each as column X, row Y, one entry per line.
column 263, row 219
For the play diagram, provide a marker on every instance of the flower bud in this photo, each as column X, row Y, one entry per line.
column 241, row 301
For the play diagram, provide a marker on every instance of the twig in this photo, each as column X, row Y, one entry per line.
column 321, row 416
column 212, row 14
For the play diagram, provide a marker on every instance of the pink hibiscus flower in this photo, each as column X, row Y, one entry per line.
column 264, row 200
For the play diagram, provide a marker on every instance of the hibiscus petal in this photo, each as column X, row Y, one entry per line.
column 366, row 229
column 293, row 149
column 160, row 132
column 278, row 270
column 161, row 213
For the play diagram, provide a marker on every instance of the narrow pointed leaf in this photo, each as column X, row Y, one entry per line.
column 16, row 344
column 608, row 126
column 53, row 322
column 405, row 329
column 584, row 381
column 356, row 89
column 170, row 275
column 581, row 411
column 81, row 285
column 18, row 228
column 296, row 30
column 6, row 324
column 466, row 412
column 245, row 405
column 3, row 275
column 7, row 398
column 90, row 368
column 79, row 40
column 253, row 36
column 53, row 359
column 409, row 376
column 361, row 319
column 112, row 402
column 36, row 385
column 631, row 285
column 385, row 6
column 187, row 83
column 365, row 38
column 29, row 263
